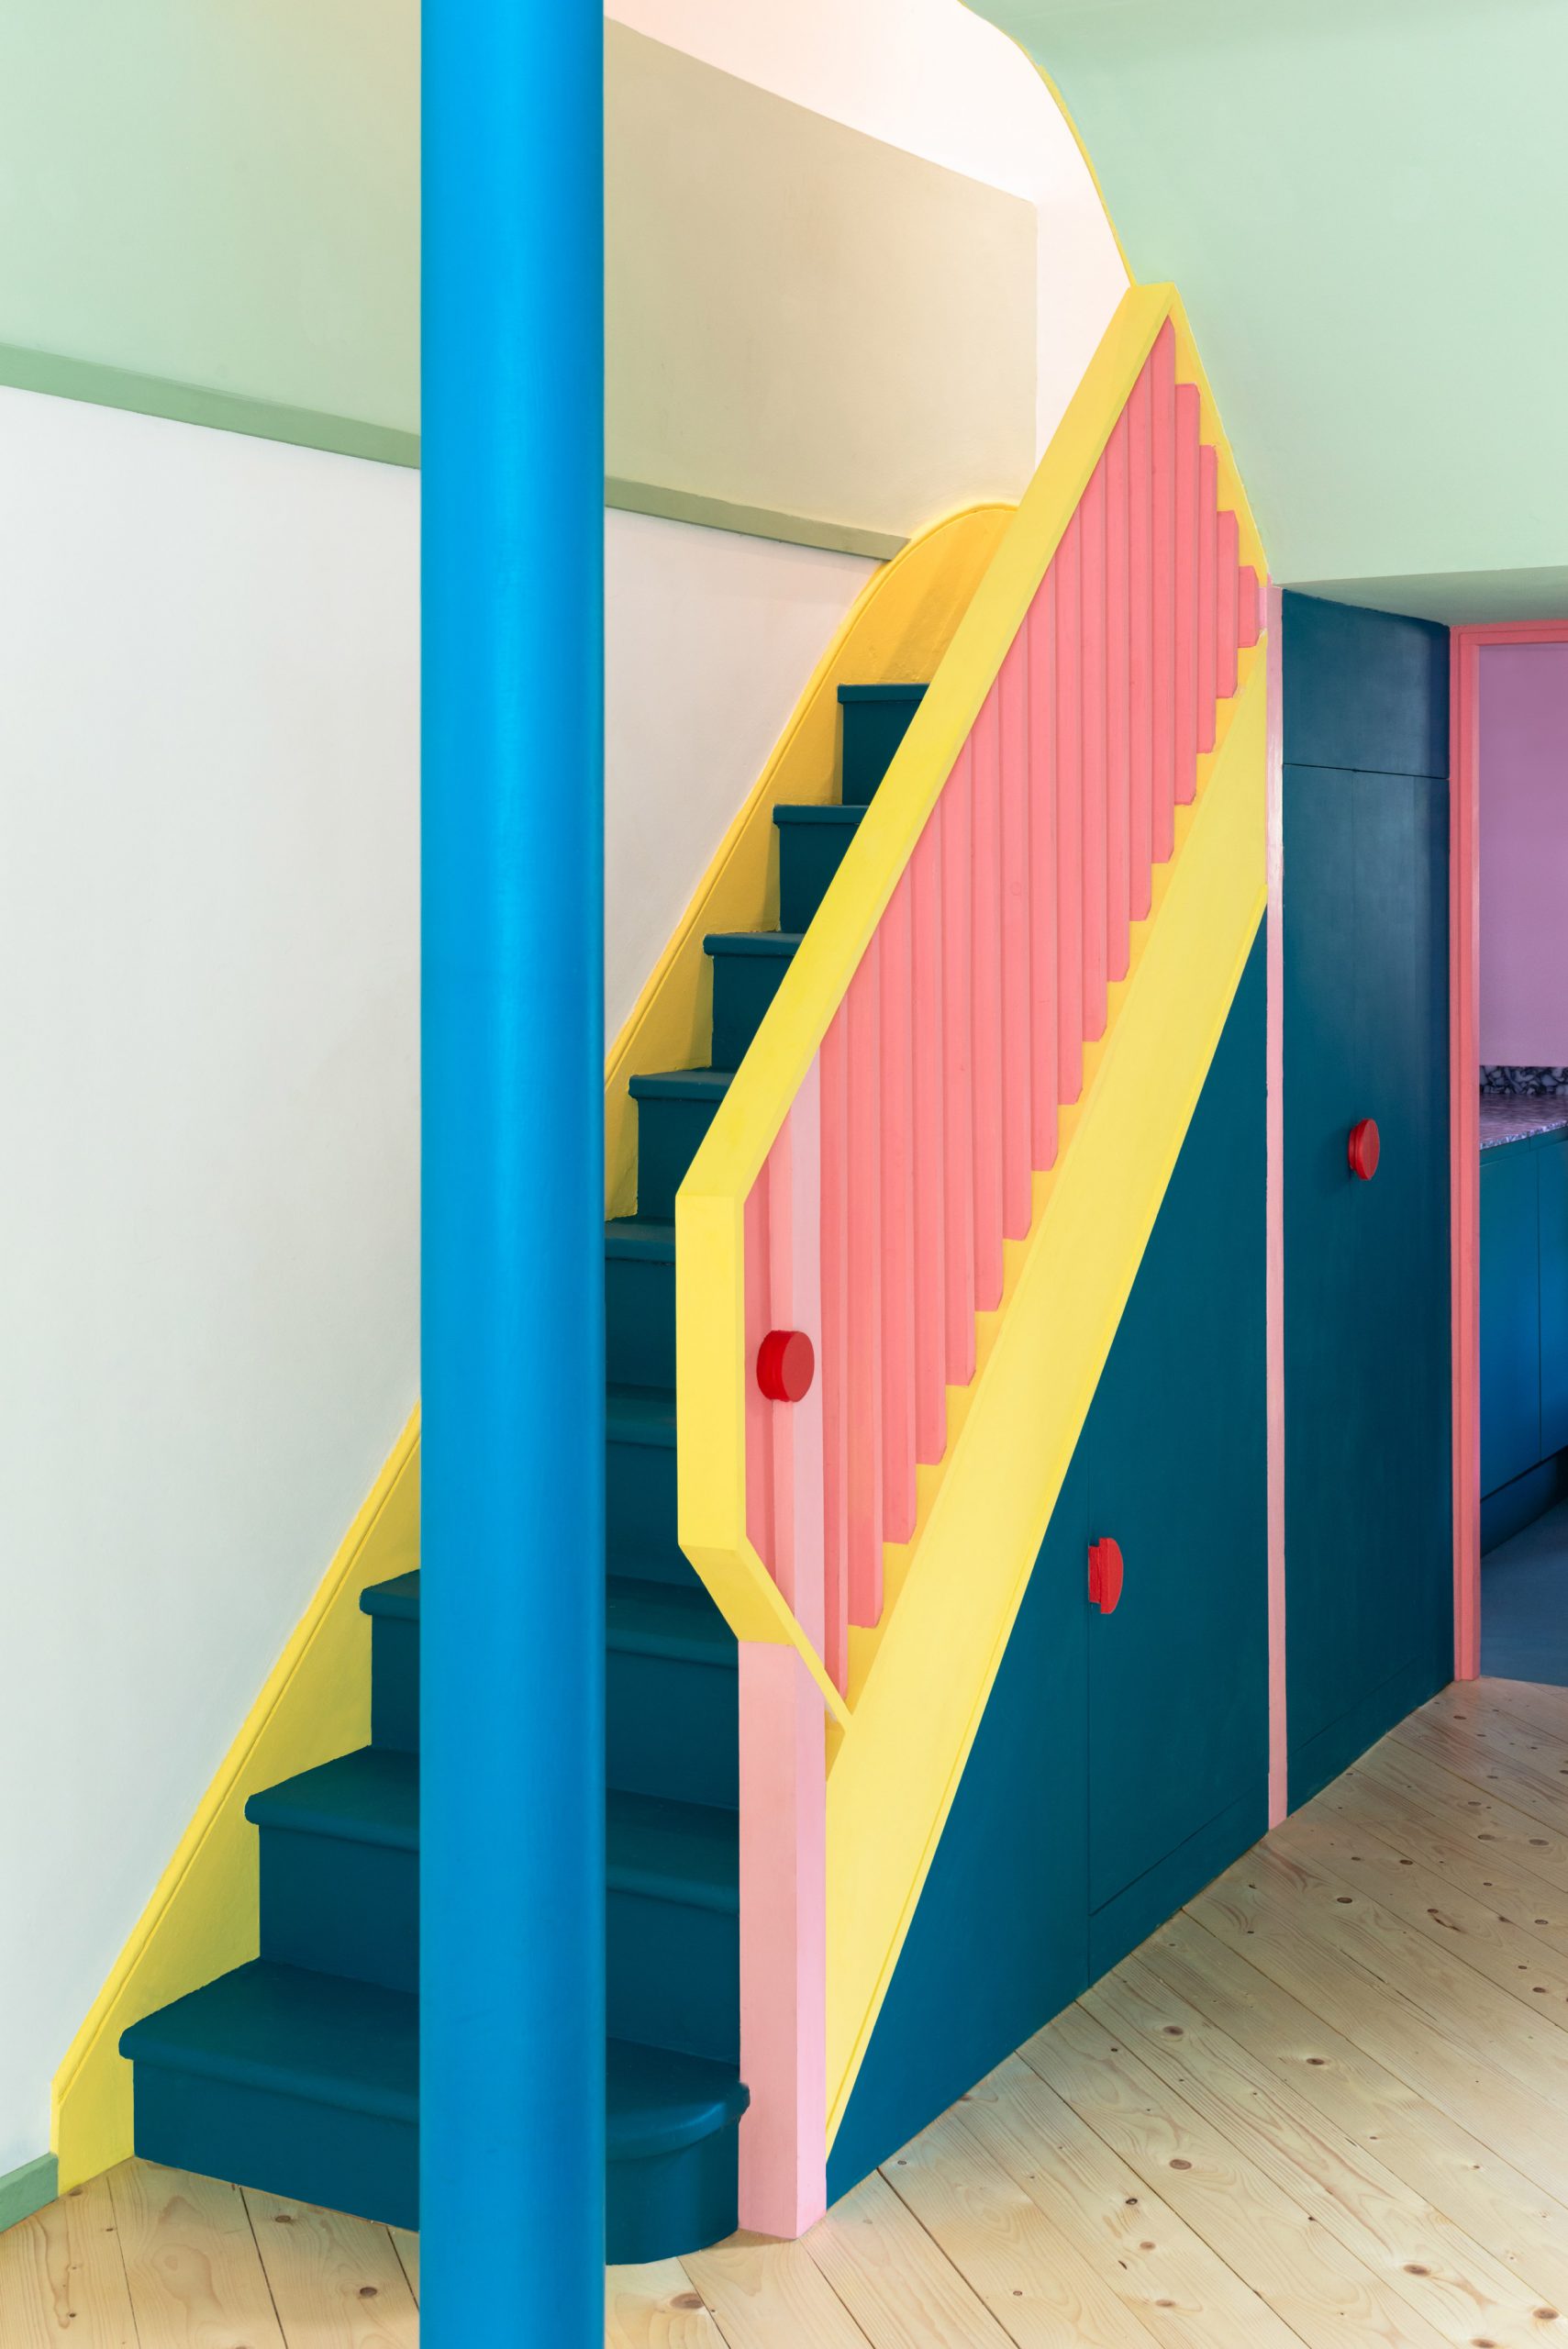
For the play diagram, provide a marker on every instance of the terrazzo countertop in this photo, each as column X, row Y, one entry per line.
column 1520, row 1117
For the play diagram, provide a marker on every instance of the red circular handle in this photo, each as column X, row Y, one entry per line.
column 1364, row 1148
column 1105, row 1576
column 787, row 1364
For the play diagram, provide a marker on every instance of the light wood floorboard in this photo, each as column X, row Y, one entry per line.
column 1321, row 2107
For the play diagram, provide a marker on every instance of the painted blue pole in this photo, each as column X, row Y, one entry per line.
column 512, row 1803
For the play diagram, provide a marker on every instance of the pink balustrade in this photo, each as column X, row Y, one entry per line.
column 879, row 1219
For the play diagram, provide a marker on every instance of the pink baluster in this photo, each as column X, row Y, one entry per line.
column 1018, row 1194
column 1250, row 608
column 1091, row 719
column 1188, row 421
column 958, row 1076
column 931, row 1284
column 1119, row 736
column 1225, row 595
column 863, row 1466
column 1140, row 647
column 1069, row 815
column 758, row 1307
column 1163, row 364
column 985, row 999
column 1041, row 628
column 1207, row 590
column 833, row 1061
column 898, row 1217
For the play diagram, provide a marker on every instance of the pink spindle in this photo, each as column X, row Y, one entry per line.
column 958, row 1078
column 1118, row 738
column 835, row 1150
column 1188, row 422
column 758, row 1321
column 1208, row 591
column 1017, row 1191
column 1141, row 645
column 897, row 1217
column 1250, row 608
column 1041, row 634
column 930, row 1288
column 1163, row 365
column 1226, row 593
column 1091, row 719
column 986, row 1000
column 1069, row 814
column 864, row 1417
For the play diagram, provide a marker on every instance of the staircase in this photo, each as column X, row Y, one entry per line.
column 298, row 2072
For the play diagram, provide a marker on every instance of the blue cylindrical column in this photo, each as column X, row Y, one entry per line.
column 512, row 1804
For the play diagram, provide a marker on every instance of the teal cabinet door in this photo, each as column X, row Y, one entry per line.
column 1510, row 1316
column 1551, row 1175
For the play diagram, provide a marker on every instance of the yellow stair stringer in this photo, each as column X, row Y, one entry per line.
column 897, row 1769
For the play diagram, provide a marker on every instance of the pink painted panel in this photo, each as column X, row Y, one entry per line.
column 1226, row 592
column 1040, row 629
column 985, row 998
column 930, row 1288
column 897, row 1122
column 1092, row 715
column 863, row 1414
column 759, row 1433
column 1249, row 608
column 1118, row 738
column 783, row 1943
column 1140, row 643
column 1188, row 422
column 833, row 1061
column 1069, row 815
column 1018, row 1195
column 1163, row 388
column 1208, row 574
column 958, row 1074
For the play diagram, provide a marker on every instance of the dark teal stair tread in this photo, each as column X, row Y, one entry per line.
column 753, row 942
column 683, row 1085
column 657, row 2101
column 881, row 693
column 648, row 1240
column 663, row 1619
column 317, row 2037
column 369, row 1796
column 399, row 1597
column 673, row 1850
column 641, row 1415
column 800, row 812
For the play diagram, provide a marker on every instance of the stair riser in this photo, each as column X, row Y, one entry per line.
column 337, row 1907
column 639, row 1515
column 311, row 2153
column 395, row 1683
column 640, row 1322
column 672, row 1729
column 669, row 1135
column 673, row 1976
column 683, row 2200
column 873, row 731
column 743, row 986
column 809, row 855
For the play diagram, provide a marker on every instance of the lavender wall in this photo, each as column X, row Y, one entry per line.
column 1524, row 854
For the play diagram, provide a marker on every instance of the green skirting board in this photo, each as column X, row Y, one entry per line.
column 24, row 2190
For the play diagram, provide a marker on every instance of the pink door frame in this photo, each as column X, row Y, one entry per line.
column 1466, row 645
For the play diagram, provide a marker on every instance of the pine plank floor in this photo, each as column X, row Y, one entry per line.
column 1324, row 2106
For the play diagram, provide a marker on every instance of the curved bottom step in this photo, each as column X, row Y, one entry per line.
column 672, row 2141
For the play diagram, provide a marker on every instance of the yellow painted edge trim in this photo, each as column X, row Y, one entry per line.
column 91, row 2124
column 895, row 632
column 898, row 1770
column 709, row 1207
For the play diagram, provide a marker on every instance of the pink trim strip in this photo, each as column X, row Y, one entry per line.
column 1189, row 420
column 930, row 1297
column 1163, row 394
column 1207, row 575
column 833, row 1062
column 1274, row 1339
column 1069, row 815
column 986, row 1000
column 1044, row 1036
column 958, row 1158
column 862, row 1458
column 898, row 1218
column 1017, row 1045
column 1119, row 701
column 1140, row 648
column 1092, row 718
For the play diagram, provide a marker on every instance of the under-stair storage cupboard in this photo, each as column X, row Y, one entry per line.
column 1367, row 1451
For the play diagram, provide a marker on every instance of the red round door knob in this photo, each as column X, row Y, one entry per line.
column 1364, row 1148
column 1105, row 1576
column 787, row 1364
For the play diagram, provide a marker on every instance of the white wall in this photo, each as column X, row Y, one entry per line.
column 710, row 638
column 931, row 76
column 208, row 1181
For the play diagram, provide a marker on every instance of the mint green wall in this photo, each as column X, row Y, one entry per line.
column 218, row 193
column 1364, row 203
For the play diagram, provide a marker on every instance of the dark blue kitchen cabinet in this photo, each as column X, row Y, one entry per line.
column 1551, row 1173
